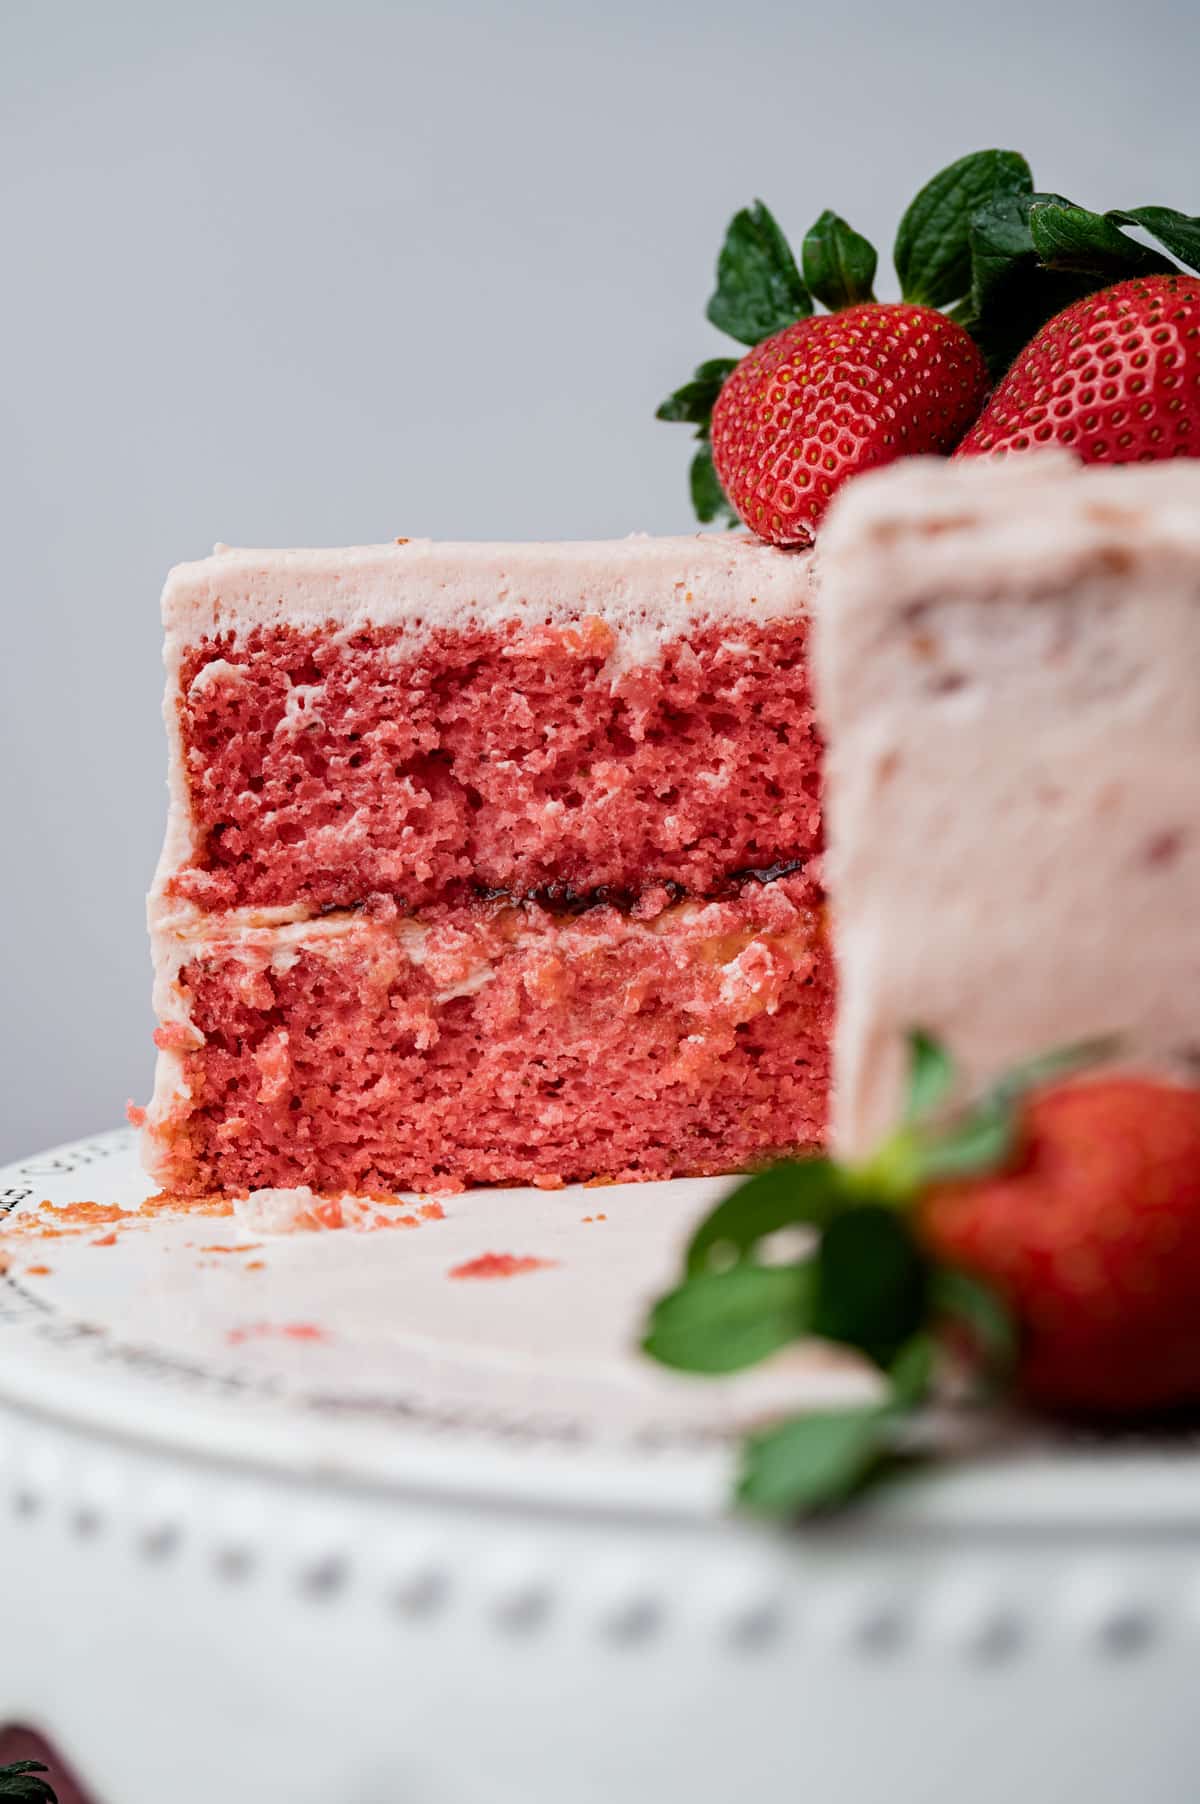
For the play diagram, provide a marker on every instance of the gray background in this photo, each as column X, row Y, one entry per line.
column 305, row 274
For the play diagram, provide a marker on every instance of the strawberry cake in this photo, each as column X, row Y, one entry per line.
column 503, row 864
column 488, row 864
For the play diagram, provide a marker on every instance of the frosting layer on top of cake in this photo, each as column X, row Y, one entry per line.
column 647, row 589
column 1008, row 673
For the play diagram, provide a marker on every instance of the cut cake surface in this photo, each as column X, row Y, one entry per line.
column 486, row 864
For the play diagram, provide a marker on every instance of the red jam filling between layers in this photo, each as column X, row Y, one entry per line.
column 324, row 769
column 517, row 1046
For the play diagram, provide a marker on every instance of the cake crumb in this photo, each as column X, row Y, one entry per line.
column 72, row 1221
column 275, row 1212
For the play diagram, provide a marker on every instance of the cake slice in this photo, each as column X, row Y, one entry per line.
column 1008, row 663
column 488, row 864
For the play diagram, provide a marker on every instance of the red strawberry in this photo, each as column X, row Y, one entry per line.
column 1094, row 1239
column 1115, row 378
column 833, row 395
column 1050, row 1232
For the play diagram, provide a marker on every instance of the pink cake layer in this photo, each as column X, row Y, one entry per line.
column 325, row 765
column 493, row 1043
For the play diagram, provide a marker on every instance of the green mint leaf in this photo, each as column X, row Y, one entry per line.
column 19, row 1781
column 759, row 289
column 1059, row 1062
column 791, row 1194
column 693, row 403
column 871, row 1282
column 709, row 499
column 725, row 1321
column 930, row 1075
column 961, row 1297
column 818, row 1461
column 839, row 266
column 933, row 252
column 1066, row 237
column 1177, row 232
column 983, row 1139
column 821, row 1460
column 911, row 1375
column 810, row 1462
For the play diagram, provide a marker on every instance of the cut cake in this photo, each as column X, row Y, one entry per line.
column 488, row 864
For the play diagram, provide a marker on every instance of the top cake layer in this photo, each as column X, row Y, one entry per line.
column 1008, row 661
column 423, row 721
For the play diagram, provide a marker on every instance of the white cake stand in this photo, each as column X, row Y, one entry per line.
column 345, row 1530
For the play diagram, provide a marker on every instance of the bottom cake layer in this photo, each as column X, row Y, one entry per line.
column 496, row 1043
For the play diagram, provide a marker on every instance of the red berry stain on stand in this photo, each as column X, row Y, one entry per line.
column 500, row 1265
column 302, row 1331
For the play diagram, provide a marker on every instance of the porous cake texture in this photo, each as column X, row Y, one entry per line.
column 488, row 864
column 1008, row 660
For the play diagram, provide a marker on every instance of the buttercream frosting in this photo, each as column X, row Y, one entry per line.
column 1007, row 658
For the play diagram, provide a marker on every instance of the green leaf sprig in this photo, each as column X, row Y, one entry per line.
column 860, row 1278
column 978, row 242
column 21, row 1781
column 759, row 289
column 933, row 240
column 693, row 404
column 839, row 266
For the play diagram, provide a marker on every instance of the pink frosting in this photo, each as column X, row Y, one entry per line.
column 1008, row 674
